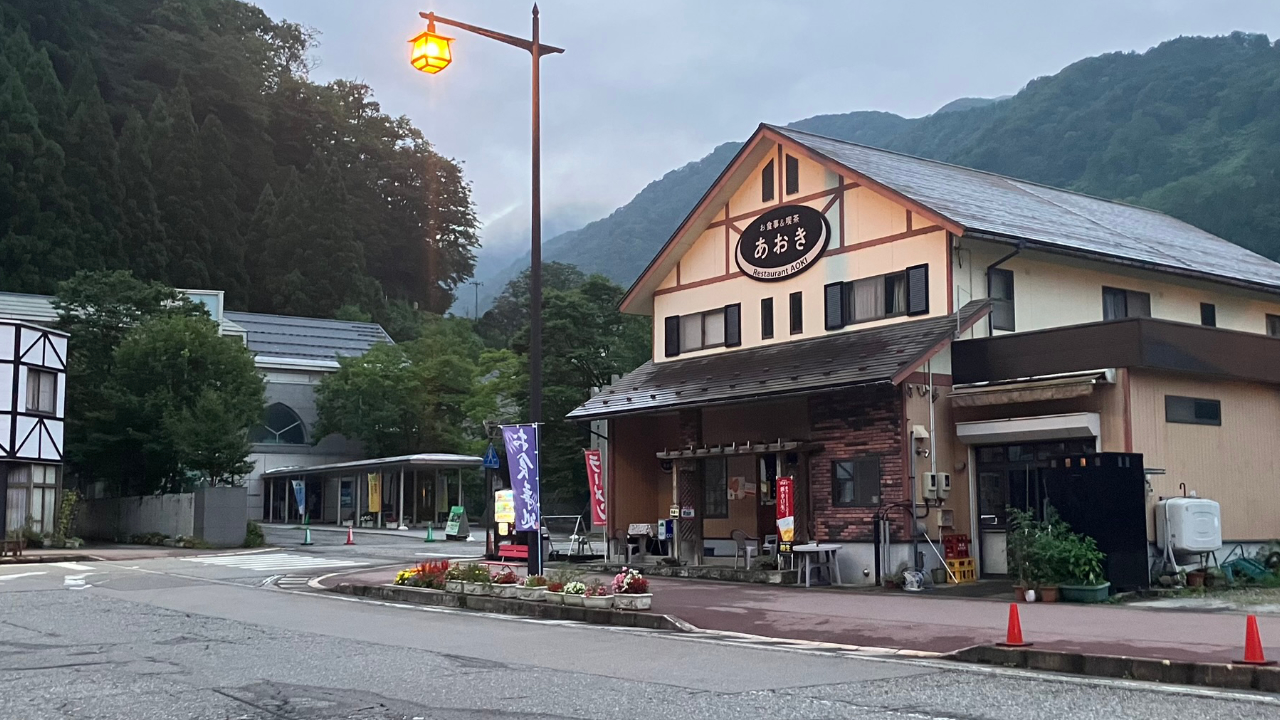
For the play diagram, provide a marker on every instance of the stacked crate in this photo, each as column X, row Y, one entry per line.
column 959, row 561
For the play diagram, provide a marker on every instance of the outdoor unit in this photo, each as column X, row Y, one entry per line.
column 944, row 486
column 1188, row 525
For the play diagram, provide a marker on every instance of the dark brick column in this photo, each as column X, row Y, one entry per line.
column 850, row 424
column 689, row 487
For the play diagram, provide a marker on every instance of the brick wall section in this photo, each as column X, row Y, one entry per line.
column 849, row 424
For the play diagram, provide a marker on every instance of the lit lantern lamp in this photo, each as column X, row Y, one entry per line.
column 431, row 51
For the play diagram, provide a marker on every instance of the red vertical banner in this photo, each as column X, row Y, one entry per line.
column 786, row 513
column 595, row 481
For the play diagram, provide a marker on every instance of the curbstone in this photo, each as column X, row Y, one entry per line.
column 505, row 606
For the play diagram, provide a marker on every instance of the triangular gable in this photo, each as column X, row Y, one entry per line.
column 763, row 143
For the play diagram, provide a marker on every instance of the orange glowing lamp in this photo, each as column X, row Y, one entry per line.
column 431, row 51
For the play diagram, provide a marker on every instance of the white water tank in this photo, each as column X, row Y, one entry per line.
column 1189, row 525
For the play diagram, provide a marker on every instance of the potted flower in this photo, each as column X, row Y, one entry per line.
column 554, row 593
column 505, row 583
column 533, row 588
column 631, row 591
column 476, row 580
column 598, row 595
column 453, row 577
column 574, row 592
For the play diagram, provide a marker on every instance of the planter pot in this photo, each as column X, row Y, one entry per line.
column 473, row 588
column 553, row 597
column 1195, row 579
column 1019, row 593
column 1085, row 593
column 633, row 602
column 504, row 591
column 453, row 586
column 574, row 600
column 1049, row 594
column 600, row 602
column 531, row 594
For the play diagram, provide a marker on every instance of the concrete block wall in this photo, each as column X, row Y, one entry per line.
column 120, row 518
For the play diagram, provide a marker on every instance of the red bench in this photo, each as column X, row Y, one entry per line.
column 513, row 552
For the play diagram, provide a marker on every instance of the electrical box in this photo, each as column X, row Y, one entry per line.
column 944, row 486
column 929, row 486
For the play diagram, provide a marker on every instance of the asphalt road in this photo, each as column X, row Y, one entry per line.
column 204, row 638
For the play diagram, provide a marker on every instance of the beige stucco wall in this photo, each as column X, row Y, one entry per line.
column 1053, row 291
column 1236, row 463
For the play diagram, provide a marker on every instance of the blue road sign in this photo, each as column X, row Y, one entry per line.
column 491, row 458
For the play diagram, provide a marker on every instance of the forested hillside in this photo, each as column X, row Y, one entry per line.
column 183, row 141
column 1191, row 128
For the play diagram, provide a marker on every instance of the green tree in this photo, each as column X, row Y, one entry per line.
column 177, row 172
column 211, row 436
column 142, row 233
column 93, row 173
column 510, row 312
column 218, row 190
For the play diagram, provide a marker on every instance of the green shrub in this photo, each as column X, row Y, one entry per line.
column 253, row 536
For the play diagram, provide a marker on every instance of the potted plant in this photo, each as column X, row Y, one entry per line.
column 533, row 589
column 476, row 580
column 597, row 595
column 631, row 591
column 454, row 578
column 554, row 593
column 504, row 583
column 574, row 592
column 1085, row 580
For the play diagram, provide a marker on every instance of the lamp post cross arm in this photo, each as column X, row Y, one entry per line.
column 526, row 45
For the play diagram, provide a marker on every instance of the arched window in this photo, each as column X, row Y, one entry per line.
column 281, row 426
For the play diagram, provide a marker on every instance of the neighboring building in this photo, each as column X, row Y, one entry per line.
column 822, row 292
column 292, row 353
column 33, row 373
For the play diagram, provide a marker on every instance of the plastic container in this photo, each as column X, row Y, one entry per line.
column 1190, row 525
column 1084, row 593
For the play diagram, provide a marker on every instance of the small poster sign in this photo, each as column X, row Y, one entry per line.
column 504, row 507
column 457, row 528
column 595, row 482
column 300, row 496
column 786, row 514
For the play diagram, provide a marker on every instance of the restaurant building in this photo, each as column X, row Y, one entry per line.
column 902, row 336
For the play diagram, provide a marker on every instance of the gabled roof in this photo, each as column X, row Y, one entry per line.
column 981, row 204
column 885, row 354
column 303, row 338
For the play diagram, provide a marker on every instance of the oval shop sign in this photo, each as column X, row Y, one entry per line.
column 783, row 242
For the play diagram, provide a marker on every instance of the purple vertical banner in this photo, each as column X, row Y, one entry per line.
column 522, row 463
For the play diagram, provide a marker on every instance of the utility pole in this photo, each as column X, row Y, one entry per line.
column 475, row 312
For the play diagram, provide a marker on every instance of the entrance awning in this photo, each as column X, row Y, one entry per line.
column 1029, row 429
column 748, row 448
column 1060, row 387
column 421, row 461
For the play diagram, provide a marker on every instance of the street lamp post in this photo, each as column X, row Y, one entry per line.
column 431, row 54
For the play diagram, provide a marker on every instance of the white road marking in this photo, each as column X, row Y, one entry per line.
column 72, row 566
column 19, row 575
column 272, row 562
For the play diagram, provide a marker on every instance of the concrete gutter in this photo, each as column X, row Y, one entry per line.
column 484, row 603
column 1172, row 672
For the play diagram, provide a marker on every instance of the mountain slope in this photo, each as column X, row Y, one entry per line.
column 1190, row 127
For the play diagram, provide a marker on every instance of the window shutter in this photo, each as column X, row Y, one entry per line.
column 833, row 297
column 732, row 325
column 671, row 334
column 918, row 290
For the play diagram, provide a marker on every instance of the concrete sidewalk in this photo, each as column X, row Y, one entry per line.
column 105, row 553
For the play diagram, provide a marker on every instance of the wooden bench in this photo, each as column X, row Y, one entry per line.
column 13, row 547
column 513, row 552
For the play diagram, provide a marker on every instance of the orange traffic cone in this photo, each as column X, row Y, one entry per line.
column 351, row 536
column 1013, row 637
column 1253, row 654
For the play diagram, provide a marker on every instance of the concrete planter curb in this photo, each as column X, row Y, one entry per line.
column 1173, row 672
column 708, row 572
column 483, row 603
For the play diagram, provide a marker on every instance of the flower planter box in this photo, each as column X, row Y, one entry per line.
column 554, row 598
column 1085, row 593
column 574, row 600
column 504, row 591
column 627, row 601
column 453, row 586
column 600, row 602
column 473, row 588
column 531, row 594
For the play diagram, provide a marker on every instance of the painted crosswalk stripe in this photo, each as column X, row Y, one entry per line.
column 72, row 566
column 272, row 562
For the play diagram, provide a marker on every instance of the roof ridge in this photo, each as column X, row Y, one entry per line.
column 369, row 323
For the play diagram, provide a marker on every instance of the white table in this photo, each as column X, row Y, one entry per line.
column 813, row 556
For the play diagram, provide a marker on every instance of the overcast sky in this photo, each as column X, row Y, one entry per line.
column 648, row 85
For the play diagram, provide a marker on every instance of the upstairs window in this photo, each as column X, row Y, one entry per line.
column 42, row 391
column 1118, row 304
column 797, row 313
column 1192, row 411
column 792, row 175
column 766, row 182
column 878, row 297
column 720, row 327
column 1208, row 315
column 1273, row 325
column 766, row 318
column 1000, row 290
column 280, row 426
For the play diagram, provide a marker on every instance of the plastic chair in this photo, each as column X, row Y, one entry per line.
column 744, row 550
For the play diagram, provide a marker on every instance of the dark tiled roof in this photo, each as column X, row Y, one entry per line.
column 844, row 359
column 307, row 338
column 984, row 202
